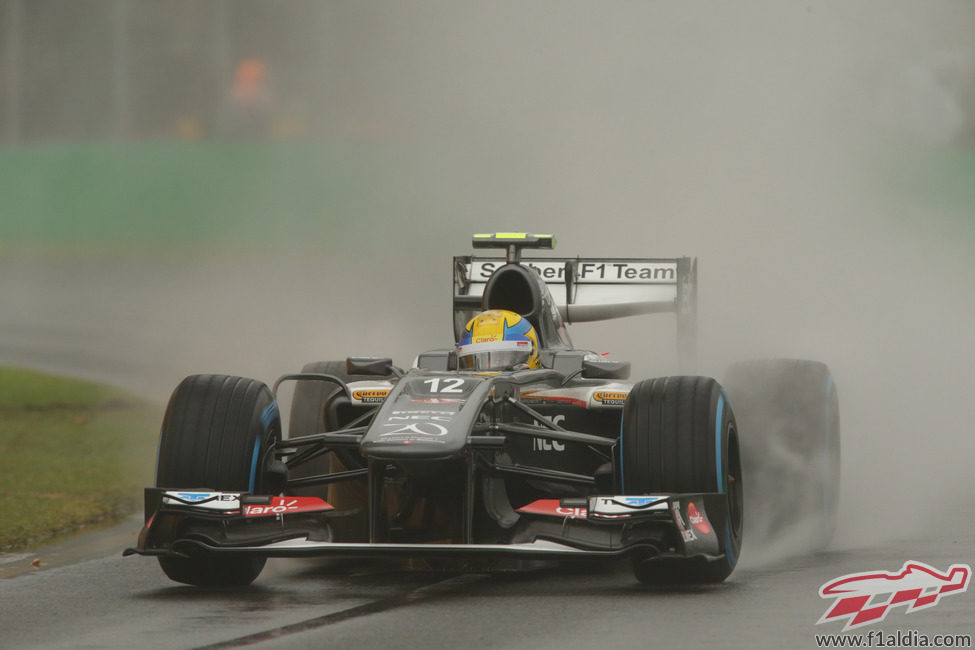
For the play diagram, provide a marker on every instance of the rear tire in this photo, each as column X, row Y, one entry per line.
column 311, row 397
column 308, row 409
column 788, row 413
column 679, row 435
column 215, row 436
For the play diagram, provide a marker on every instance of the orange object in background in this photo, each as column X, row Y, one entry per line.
column 251, row 99
column 250, row 81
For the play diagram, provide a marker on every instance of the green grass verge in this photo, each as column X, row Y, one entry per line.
column 72, row 453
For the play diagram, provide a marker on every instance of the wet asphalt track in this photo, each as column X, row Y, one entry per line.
column 85, row 595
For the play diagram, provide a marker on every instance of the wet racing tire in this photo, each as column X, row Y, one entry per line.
column 679, row 435
column 308, row 415
column 215, row 436
column 788, row 415
column 310, row 403
column 312, row 397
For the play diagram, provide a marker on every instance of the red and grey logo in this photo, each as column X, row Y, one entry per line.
column 866, row 598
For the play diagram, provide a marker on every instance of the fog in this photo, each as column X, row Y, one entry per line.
column 769, row 139
column 764, row 138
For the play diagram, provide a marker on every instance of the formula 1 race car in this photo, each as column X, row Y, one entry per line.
column 511, row 445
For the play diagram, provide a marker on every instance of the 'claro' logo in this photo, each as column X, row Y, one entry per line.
column 371, row 395
column 610, row 397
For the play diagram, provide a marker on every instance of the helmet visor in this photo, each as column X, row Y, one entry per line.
column 499, row 355
column 503, row 360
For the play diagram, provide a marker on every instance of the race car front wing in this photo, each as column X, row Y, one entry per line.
column 183, row 522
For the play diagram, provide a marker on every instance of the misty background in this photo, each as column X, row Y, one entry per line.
column 244, row 187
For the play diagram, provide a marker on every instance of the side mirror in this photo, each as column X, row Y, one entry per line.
column 605, row 369
column 377, row 366
column 442, row 360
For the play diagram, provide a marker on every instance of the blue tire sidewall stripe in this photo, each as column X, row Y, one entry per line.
column 722, row 479
column 268, row 415
column 718, row 447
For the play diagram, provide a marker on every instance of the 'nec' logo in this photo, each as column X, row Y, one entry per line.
column 916, row 585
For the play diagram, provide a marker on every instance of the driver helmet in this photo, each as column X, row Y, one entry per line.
column 498, row 339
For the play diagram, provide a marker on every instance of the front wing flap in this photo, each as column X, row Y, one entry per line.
column 182, row 522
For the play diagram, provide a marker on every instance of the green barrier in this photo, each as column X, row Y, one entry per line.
column 946, row 178
column 185, row 192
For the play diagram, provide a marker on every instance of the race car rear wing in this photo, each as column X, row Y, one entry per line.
column 590, row 289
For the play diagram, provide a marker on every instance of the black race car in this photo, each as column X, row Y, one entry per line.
column 550, row 455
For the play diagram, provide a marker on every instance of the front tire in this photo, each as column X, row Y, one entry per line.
column 216, row 435
column 679, row 435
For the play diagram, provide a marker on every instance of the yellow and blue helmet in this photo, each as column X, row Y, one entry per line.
column 498, row 339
